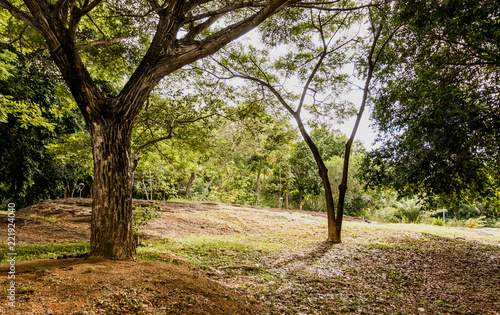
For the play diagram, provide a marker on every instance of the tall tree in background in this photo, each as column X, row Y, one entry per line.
column 156, row 39
column 318, row 42
column 438, row 103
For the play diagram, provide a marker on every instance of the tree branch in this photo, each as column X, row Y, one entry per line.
column 100, row 42
column 20, row 15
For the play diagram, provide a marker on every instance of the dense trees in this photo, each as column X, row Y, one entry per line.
column 34, row 116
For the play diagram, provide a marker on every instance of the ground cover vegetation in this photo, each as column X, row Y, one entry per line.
column 204, row 257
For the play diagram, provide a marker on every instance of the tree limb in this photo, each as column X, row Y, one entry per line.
column 100, row 42
column 20, row 15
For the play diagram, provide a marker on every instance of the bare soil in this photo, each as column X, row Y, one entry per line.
column 351, row 278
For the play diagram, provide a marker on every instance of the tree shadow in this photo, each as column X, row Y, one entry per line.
column 313, row 255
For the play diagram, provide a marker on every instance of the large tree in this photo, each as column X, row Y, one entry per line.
column 156, row 39
column 437, row 106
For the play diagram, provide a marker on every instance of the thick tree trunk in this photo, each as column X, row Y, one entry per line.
column 112, row 235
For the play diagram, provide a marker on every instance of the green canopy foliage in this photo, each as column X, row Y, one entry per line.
column 34, row 117
column 437, row 103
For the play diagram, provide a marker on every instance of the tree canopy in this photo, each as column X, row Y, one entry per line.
column 437, row 103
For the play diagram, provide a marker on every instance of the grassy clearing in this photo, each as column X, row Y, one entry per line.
column 390, row 269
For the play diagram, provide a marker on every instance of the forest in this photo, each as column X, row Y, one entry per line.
column 202, row 138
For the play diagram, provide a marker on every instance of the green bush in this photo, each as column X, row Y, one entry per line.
column 474, row 223
column 409, row 210
column 142, row 216
column 455, row 222
column 490, row 208
column 388, row 215
column 490, row 222
column 356, row 204
column 464, row 212
column 438, row 221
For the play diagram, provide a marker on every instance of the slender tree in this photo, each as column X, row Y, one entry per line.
column 318, row 68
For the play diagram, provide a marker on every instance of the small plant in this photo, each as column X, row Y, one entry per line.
column 409, row 210
column 90, row 269
column 438, row 221
column 474, row 223
column 142, row 216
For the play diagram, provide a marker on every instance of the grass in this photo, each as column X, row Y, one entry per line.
column 296, row 273
column 41, row 217
column 37, row 251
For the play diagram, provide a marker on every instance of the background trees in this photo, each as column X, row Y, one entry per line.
column 437, row 104
column 35, row 114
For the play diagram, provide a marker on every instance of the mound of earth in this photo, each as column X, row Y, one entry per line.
column 96, row 286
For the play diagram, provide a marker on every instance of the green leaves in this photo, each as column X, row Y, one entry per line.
column 437, row 103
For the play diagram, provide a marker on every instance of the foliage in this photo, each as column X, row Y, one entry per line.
column 464, row 211
column 142, row 216
column 437, row 104
column 474, row 223
column 409, row 210
column 437, row 221
column 28, row 172
column 388, row 215
column 356, row 204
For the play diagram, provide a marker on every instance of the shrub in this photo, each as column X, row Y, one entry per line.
column 438, row 221
column 475, row 222
column 455, row 222
column 356, row 204
column 464, row 212
column 490, row 222
column 388, row 215
column 409, row 210
column 142, row 216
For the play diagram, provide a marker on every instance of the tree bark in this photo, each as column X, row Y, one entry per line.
column 112, row 235
column 190, row 182
column 334, row 229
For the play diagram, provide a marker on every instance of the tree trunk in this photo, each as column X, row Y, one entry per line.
column 257, row 186
column 300, row 202
column 334, row 229
column 112, row 235
column 190, row 182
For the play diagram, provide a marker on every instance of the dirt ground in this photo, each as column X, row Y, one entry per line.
column 94, row 286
